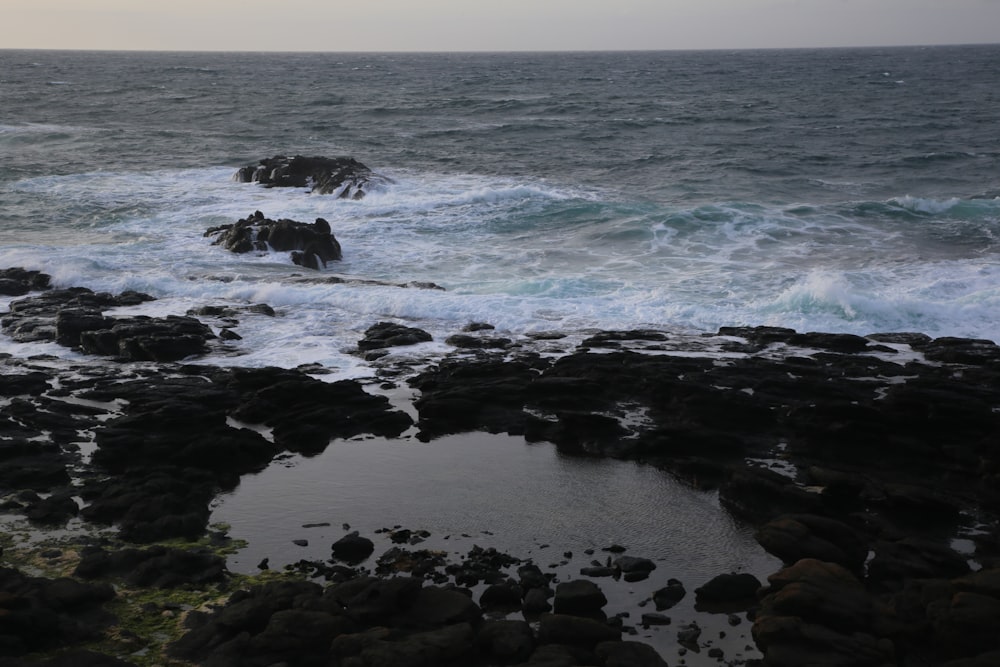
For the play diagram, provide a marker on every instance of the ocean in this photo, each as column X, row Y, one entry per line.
column 838, row 190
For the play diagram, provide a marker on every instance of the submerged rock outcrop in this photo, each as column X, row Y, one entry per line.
column 311, row 245
column 343, row 176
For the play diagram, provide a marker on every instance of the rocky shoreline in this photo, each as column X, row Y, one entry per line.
column 869, row 465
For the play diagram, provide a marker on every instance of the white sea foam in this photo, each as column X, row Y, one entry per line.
column 924, row 205
column 524, row 255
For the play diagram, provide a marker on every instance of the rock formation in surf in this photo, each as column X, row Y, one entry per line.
column 343, row 176
column 311, row 245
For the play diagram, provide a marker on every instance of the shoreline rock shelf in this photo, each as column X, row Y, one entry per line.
column 863, row 463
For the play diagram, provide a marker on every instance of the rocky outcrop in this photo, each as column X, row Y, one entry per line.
column 397, row 621
column 17, row 281
column 39, row 614
column 817, row 613
column 75, row 318
column 342, row 176
column 311, row 245
column 388, row 334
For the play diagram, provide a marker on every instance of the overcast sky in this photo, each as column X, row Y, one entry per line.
column 492, row 25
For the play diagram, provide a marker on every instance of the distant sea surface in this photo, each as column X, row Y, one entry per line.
column 847, row 190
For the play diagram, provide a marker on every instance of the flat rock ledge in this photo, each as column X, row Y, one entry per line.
column 311, row 245
column 75, row 318
column 344, row 177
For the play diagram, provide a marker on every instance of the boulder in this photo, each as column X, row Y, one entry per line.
column 579, row 597
column 18, row 281
column 797, row 536
column 913, row 558
column 628, row 654
column 735, row 591
column 819, row 613
column 343, row 176
column 669, row 595
column 506, row 641
column 387, row 334
column 311, row 245
column 352, row 548
column 574, row 630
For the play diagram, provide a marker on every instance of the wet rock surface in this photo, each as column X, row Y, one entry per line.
column 344, row 177
column 312, row 245
column 75, row 318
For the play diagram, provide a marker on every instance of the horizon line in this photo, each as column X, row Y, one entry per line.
column 507, row 51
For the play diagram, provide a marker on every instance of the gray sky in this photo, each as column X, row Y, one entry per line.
column 492, row 25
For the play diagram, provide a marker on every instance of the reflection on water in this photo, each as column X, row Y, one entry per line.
column 497, row 491
column 526, row 495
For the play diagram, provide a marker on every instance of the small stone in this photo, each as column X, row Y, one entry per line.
column 655, row 619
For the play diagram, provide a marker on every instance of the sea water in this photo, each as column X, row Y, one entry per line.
column 849, row 190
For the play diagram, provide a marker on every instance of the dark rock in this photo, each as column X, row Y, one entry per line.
column 815, row 610
column 961, row 350
column 451, row 645
column 536, row 601
column 598, row 571
column 633, row 564
column 343, row 176
column 669, row 595
column 628, row 654
column 78, row 658
column 758, row 495
column 846, row 343
column 687, row 636
column 374, row 601
column 579, row 597
column 387, row 334
column 352, row 548
column 251, row 621
column 18, row 281
column 21, row 384
column 148, row 339
column 798, row 536
column 477, row 342
column 966, row 624
column 39, row 614
column 574, row 630
column 913, row 558
column 501, row 596
column 311, row 245
column 506, row 641
column 434, row 606
column 55, row 510
column 155, row 567
column 733, row 591
column 65, row 315
column 655, row 619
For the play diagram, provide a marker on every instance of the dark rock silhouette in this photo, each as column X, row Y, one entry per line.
column 343, row 176
column 311, row 245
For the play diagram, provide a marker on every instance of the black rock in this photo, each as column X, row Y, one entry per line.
column 311, row 245
column 388, row 334
column 579, row 597
column 18, row 281
column 343, row 176
column 669, row 595
column 352, row 548
column 735, row 588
